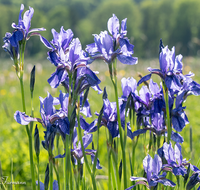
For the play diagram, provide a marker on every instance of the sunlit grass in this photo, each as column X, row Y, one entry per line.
column 13, row 139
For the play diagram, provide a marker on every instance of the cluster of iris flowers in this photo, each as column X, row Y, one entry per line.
column 158, row 108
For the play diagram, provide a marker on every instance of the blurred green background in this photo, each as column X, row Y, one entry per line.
column 175, row 21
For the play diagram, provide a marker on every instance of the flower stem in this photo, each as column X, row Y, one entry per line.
column 169, row 129
column 83, row 150
column 38, row 165
column 29, row 134
column 66, row 169
column 20, row 73
column 114, row 81
column 57, row 174
column 51, row 173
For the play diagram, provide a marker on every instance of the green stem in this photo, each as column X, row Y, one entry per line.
column 66, row 169
column 109, row 169
column 50, row 165
column 83, row 151
column 57, row 174
column 116, row 171
column 114, row 81
column 113, row 174
column 67, row 160
column 51, row 172
column 38, row 165
column 169, row 129
column 29, row 132
column 29, row 135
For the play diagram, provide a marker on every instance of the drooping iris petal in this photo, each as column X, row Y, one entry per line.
column 57, row 77
column 143, row 79
column 25, row 22
column 98, row 162
column 128, row 60
column 177, row 137
column 22, row 118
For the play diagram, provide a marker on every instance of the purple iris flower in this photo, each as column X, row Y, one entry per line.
column 70, row 61
column 129, row 87
column 20, row 35
column 24, row 23
column 55, row 185
column 54, row 121
column 108, row 47
column 77, row 150
column 109, row 118
column 85, row 78
column 175, row 159
column 170, row 70
column 151, row 105
column 64, row 101
column 179, row 118
column 12, row 44
column 152, row 169
column 189, row 88
column 66, row 60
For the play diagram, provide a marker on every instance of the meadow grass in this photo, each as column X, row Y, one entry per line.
column 13, row 139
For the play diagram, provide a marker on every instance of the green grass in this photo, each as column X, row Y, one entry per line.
column 13, row 138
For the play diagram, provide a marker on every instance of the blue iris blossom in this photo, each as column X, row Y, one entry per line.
column 77, row 150
column 71, row 61
column 175, row 159
column 149, row 106
column 24, row 23
column 109, row 118
column 170, row 70
column 153, row 171
column 55, row 185
column 12, row 44
column 20, row 34
column 108, row 47
column 53, row 120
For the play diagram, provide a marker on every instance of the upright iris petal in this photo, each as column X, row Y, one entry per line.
column 25, row 22
column 108, row 47
column 113, row 26
column 152, row 168
column 175, row 159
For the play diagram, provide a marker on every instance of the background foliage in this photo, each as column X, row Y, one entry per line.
column 175, row 21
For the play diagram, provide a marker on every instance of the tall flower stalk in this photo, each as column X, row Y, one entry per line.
column 122, row 141
column 110, row 48
column 15, row 44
